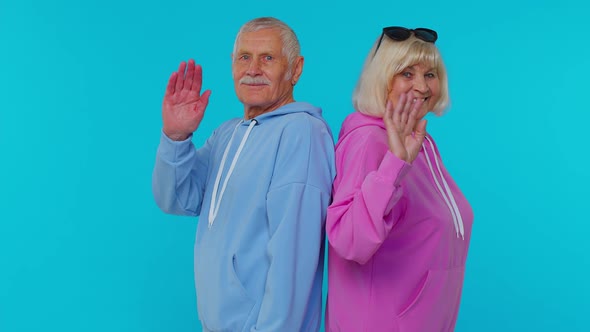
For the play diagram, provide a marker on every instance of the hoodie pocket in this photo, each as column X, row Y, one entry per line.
column 223, row 301
column 237, row 281
column 435, row 306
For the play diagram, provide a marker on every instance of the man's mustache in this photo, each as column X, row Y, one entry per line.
column 254, row 80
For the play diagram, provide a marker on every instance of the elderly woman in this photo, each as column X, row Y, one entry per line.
column 398, row 226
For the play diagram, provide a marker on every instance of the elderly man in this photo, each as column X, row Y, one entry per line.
column 261, row 185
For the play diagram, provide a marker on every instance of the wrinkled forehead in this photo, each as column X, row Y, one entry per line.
column 269, row 39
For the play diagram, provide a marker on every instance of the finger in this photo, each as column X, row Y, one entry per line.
column 171, row 84
column 413, row 116
column 188, row 79
column 387, row 115
column 205, row 98
column 403, row 118
column 399, row 108
column 420, row 131
column 180, row 74
column 407, row 109
column 197, row 79
column 414, row 111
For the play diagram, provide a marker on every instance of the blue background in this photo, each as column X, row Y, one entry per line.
column 83, row 246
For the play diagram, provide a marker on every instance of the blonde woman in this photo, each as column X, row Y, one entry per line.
column 398, row 226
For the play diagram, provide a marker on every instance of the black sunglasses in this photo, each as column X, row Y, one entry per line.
column 401, row 33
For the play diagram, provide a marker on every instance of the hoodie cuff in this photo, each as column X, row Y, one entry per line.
column 393, row 168
column 172, row 151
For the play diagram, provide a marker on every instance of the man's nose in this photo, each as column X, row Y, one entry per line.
column 254, row 67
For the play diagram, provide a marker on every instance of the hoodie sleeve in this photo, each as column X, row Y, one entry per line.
column 367, row 193
column 179, row 176
column 297, row 202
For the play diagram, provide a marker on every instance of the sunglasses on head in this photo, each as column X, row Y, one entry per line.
column 401, row 34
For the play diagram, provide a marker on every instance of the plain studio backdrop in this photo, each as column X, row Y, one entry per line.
column 83, row 246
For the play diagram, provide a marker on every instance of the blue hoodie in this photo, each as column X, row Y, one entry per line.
column 259, row 245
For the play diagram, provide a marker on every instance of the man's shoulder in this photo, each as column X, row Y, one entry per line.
column 302, row 121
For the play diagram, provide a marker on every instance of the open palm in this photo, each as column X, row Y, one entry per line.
column 184, row 105
column 405, row 131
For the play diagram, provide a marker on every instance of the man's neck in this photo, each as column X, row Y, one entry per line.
column 254, row 111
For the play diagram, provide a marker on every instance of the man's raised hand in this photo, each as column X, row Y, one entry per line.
column 184, row 105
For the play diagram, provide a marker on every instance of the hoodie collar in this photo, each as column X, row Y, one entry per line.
column 294, row 107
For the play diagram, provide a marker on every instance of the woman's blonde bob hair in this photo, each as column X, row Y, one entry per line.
column 392, row 57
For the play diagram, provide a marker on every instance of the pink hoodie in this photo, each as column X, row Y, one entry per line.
column 398, row 236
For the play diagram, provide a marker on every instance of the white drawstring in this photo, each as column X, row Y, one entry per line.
column 215, row 203
column 450, row 200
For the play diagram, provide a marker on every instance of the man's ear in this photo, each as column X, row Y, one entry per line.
column 297, row 70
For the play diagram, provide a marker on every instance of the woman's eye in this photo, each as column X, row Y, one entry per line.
column 431, row 75
column 407, row 74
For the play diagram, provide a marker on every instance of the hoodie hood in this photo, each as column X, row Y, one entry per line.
column 294, row 107
column 357, row 120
